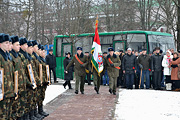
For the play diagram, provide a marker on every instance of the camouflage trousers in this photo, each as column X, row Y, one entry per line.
column 3, row 109
column 6, row 109
column 41, row 93
column 29, row 104
column 19, row 105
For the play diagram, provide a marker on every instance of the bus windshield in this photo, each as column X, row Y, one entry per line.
column 136, row 41
column 164, row 42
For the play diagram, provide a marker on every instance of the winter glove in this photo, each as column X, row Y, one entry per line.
column 140, row 66
column 30, row 86
column 45, row 83
column 112, row 65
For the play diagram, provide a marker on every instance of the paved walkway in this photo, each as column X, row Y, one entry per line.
column 90, row 106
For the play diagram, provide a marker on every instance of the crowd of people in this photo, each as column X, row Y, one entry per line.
column 23, row 78
column 130, row 69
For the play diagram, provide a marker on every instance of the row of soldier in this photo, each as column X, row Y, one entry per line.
column 16, row 54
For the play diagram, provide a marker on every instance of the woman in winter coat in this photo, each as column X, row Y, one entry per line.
column 167, row 69
column 174, row 72
column 68, row 76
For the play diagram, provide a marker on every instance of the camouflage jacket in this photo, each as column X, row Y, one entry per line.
column 8, row 75
column 18, row 66
column 24, row 58
column 35, row 66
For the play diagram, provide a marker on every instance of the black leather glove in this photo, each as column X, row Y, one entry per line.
column 81, row 65
column 112, row 65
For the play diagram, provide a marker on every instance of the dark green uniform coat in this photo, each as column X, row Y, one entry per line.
column 113, row 72
column 79, row 69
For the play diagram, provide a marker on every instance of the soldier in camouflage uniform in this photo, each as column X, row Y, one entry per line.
column 20, row 103
column 45, row 81
column 36, row 62
column 38, row 82
column 9, row 95
column 80, row 61
column 112, row 63
column 29, row 113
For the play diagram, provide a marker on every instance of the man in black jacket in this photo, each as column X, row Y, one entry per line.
column 129, row 68
column 156, row 64
column 51, row 61
column 144, row 64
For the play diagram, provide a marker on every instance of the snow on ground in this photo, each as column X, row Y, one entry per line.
column 52, row 92
column 148, row 105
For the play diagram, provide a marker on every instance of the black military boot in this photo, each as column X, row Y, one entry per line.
column 31, row 115
column 110, row 90
column 41, row 111
column 36, row 114
column 97, row 91
column 76, row 92
column 114, row 93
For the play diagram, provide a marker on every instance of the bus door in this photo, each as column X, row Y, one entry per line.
column 66, row 47
column 119, row 45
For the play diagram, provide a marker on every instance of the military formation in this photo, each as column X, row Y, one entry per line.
column 24, row 78
column 81, row 62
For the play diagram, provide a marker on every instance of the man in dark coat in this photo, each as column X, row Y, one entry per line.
column 51, row 61
column 156, row 64
column 144, row 64
column 120, row 81
column 129, row 68
column 68, row 76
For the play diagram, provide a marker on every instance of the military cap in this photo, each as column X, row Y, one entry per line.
column 50, row 49
column 10, row 40
column 4, row 38
column 39, row 46
column 110, row 49
column 157, row 48
column 14, row 39
column 22, row 41
column 1, row 37
column 42, row 47
column 104, row 52
column 140, row 50
column 144, row 49
column 79, row 48
column 34, row 42
column 29, row 43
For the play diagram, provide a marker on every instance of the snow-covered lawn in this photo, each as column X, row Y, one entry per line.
column 52, row 92
column 148, row 105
